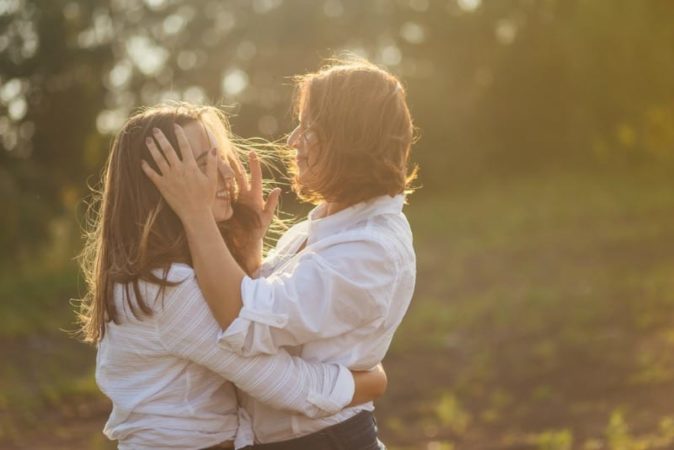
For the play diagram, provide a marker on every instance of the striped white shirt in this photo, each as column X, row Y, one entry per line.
column 339, row 299
column 167, row 378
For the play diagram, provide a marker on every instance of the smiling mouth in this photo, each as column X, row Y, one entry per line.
column 223, row 194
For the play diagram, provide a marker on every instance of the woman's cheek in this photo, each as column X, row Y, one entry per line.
column 224, row 212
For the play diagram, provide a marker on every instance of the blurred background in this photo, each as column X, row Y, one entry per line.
column 544, row 311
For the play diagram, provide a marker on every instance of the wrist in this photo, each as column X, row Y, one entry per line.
column 253, row 260
column 197, row 219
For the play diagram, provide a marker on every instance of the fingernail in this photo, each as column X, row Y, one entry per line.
column 155, row 130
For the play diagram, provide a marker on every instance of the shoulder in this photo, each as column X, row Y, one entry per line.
column 359, row 252
column 367, row 236
column 177, row 273
column 384, row 238
column 183, row 292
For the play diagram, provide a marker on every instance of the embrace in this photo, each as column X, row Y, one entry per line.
column 202, row 344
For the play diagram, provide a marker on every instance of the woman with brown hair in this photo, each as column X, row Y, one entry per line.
column 170, row 386
column 337, row 284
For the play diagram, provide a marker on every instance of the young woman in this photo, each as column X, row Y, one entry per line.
column 157, row 355
column 339, row 283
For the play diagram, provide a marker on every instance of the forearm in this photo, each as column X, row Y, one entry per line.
column 218, row 274
column 290, row 383
column 369, row 385
column 187, row 329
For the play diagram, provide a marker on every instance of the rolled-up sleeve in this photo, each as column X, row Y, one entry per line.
column 322, row 294
column 188, row 330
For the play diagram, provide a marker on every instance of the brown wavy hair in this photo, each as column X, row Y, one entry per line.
column 365, row 133
column 132, row 230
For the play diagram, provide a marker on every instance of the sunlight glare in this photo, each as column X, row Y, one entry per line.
column 147, row 56
column 10, row 89
column 17, row 109
column 469, row 5
column 413, row 33
column 234, row 82
column 391, row 55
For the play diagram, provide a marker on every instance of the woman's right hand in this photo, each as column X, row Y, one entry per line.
column 370, row 384
column 187, row 189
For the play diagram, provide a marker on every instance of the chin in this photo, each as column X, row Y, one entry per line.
column 223, row 215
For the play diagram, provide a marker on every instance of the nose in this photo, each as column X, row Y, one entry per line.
column 225, row 170
column 293, row 137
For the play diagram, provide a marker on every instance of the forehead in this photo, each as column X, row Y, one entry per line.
column 303, row 104
column 304, row 115
column 199, row 137
column 206, row 134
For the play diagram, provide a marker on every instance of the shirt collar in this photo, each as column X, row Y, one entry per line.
column 320, row 227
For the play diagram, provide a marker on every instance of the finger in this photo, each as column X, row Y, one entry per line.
column 151, row 173
column 184, row 145
column 255, row 172
column 272, row 201
column 239, row 173
column 157, row 155
column 166, row 147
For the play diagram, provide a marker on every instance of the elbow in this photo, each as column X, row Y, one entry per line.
column 369, row 385
column 225, row 316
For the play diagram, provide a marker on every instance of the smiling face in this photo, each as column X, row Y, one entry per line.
column 202, row 139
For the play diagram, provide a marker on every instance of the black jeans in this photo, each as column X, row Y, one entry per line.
column 357, row 433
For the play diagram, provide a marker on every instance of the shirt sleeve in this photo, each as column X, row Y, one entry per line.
column 266, row 267
column 345, row 286
column 188, row 330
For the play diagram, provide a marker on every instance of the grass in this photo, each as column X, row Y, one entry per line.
column 543, row 319
column 542, row 307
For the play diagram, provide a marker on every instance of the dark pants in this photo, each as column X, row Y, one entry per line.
column 357, row 433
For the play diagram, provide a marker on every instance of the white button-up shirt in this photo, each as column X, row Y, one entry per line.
column 167, row 378
column 339, row 299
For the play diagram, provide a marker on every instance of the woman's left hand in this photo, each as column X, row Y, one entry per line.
column 187, row 189
column 252, row 195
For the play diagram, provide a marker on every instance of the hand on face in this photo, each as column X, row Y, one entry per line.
column 251, row 193
column 191, row 185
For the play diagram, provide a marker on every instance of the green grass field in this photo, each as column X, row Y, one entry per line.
column 543, row 319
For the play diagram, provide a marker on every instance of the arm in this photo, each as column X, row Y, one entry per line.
column 331, row 291
column 188, row 330
column 218, row 273
column 348, row 285
column 370, row 385
column 190, row 194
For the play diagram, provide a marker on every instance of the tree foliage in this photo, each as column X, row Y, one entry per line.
column 495, row 86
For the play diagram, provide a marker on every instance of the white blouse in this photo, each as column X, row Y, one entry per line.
column 168, row 380
column 339, row 299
